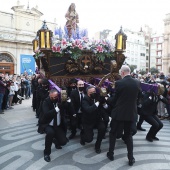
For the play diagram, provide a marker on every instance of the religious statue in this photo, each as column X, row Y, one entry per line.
column 72, row 19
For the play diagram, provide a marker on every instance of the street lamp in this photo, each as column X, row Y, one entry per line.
column 121, row 38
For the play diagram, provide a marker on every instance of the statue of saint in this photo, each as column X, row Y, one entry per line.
column 72, row 19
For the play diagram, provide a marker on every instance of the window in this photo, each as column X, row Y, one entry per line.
column 5, row 67
column 5, row 57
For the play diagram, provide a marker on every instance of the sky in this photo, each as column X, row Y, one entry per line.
column 97, row 15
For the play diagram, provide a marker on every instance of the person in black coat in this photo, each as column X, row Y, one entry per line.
column 71, row 86
column 147, row 109
column 38, row 98
column 52, row 123
column 126, row 94
column 92, row 118
column 43, row 93
column 76, row 116
column 34, row 85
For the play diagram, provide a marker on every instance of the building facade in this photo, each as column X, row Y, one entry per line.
column 166, row 45
column 17, row 30
column 135, row 49
column 156, row 48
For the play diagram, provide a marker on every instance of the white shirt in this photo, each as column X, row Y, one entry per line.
column 58, row 119
column 16, row 85
column 12, row 90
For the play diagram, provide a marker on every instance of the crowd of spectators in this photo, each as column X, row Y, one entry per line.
column 163, row 83
column 13, row 89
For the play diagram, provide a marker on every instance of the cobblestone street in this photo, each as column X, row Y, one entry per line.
column 21, row 147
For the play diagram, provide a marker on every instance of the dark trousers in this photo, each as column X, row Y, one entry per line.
column 105, row 117
column 168, row 109
column 5, row 100
column 76, row 122
column 58, row 133
column 115, row 126
column 155, row 122
column 87, row 132
column 15, row 98
column 139, row 124
column 22, row 92
column 34, row 100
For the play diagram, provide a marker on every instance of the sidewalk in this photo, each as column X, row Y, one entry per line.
column 22, row 113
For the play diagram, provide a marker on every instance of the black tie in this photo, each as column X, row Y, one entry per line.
column 55, row 117
column 81, row 99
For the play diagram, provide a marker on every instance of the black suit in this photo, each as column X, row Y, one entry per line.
column 58, row 132
column 92, row 118
column 43, row 93
column 76, row 101
column 126, row 95
column 148, row 112
column 34, row 84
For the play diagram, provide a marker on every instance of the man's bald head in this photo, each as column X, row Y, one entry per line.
column 125, row 70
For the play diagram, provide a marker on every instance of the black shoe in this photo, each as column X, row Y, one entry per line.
column 47, row 158
column 149, row 139
column 98, row 150
column 72, row 136
column 82, row 142
column 1, row 112
column 58, row 146
column 131, row 162
column 110, row 156
column 140, row 128
column 155, row 138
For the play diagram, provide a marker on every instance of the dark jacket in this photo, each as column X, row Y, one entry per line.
column 34, row 83
column 127, row 91
column 75, row 99
column 48, row 114
column 149, row 102
column 91, row 113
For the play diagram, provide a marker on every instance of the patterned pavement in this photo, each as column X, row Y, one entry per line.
column 21, row 148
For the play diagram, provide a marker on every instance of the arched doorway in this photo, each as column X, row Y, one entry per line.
column 6, row 64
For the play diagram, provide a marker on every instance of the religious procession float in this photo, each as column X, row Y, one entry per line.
column 61, row 58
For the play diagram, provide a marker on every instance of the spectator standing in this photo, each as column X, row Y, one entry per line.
column 11, row 94
column 2, row 92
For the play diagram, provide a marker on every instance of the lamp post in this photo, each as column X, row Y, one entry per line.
column 43, row 43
